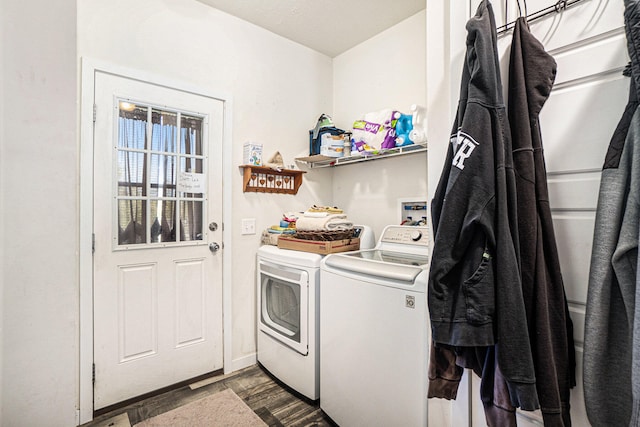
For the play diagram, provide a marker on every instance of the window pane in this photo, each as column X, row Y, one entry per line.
column 163, row 175
column 192, row 165
column 191, row 220
column 131, row 222
column 167, row 192
column 131, row 172
column 191, row 135
column 163, row 133
column 163, row 214
column 130, row 190
column 132, row 126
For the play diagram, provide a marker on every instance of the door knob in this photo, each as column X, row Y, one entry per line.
column 214, row 247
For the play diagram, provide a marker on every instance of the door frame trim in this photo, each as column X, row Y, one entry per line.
column 88, row 69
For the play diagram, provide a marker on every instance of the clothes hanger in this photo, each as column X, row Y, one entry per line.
column 520, row 14
column 557, row 7
column 560, row 5
column 506, row 10
column 506, row 13
column 526, row 11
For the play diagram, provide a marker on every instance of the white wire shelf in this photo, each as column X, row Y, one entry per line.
column 320, row 161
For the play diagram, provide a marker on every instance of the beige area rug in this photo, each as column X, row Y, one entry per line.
column 222, row 409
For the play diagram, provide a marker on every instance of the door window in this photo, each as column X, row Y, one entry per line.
column 160, row 176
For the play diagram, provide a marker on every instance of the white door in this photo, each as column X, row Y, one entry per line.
column 587, row 41
column 157, row 208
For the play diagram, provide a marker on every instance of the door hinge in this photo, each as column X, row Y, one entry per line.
column 93, row 374
column 95, row 109
column 93, row 243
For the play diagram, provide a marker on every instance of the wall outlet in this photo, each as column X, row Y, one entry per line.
column 248, row 226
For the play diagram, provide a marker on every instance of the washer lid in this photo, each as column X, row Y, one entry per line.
column 380, row 263
column 298, row 258
column 393, row 257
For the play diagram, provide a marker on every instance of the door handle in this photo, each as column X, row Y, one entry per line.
column 214, row 247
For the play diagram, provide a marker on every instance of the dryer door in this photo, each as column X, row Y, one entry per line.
column 283, row 303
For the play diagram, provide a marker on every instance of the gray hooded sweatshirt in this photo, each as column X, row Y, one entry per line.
column 608, row 341
column 632, row 20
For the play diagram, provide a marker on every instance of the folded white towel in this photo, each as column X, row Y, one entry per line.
column 331, row 222
column 315, row 214
column 339, row 225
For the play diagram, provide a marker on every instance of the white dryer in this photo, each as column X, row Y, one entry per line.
column 374, row 332
column 288, row 293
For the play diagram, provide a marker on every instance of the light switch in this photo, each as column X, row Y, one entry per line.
column 248, row 226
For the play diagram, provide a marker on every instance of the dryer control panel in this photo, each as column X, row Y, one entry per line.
column 405, row 235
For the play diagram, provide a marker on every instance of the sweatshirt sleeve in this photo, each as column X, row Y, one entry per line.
column 513, row 347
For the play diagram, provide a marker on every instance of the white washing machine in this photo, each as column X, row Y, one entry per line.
column 374, row 332
column 288, row 288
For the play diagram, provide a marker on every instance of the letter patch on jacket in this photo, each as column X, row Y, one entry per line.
column 463, row 145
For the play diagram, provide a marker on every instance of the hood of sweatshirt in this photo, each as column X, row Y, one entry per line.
column 482, row 70
column 540, row 67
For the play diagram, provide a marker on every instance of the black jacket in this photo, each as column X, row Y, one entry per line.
column 475, row 293
column 532, row 72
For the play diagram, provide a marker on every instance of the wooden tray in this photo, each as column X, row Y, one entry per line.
column 322, row 247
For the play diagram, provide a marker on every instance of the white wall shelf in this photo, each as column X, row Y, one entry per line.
column 319, row 161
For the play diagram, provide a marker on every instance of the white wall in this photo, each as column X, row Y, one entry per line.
column 386, row 71
column 38, row 191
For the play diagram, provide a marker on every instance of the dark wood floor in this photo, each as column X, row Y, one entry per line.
column 272, row 401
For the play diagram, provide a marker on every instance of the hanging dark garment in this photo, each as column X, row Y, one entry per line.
column 476, row 307
column 532, row 72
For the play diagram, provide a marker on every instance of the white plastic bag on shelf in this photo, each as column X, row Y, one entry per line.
column 374, row 131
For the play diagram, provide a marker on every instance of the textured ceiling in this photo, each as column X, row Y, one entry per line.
column 328, row 26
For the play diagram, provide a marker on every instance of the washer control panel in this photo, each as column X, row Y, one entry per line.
column 406, row 235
